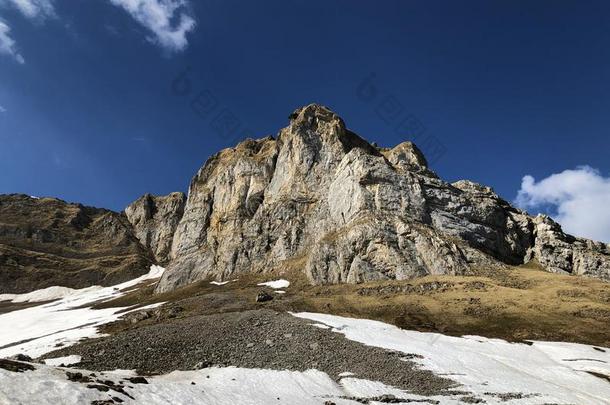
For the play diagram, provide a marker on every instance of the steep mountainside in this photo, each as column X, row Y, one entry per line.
column 46, row 242
column 324, row 200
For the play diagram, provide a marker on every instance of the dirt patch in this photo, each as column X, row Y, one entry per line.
column 510, row 396
column 571, row 293
column 600, row 375
column 597, row 313
column 15, row 366
column 7, row 306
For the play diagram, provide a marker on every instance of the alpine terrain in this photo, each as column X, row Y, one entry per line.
column 311, row 267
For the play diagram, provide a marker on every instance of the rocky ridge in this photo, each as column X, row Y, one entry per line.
column 321, row 199
column 46, row 242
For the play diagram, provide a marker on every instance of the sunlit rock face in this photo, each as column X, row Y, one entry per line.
column 320, row 199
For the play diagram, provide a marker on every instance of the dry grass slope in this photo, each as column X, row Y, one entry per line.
column 517, row 304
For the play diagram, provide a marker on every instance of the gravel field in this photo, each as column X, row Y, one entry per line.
column 251, row 339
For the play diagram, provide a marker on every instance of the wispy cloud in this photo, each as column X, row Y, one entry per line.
column 581, row 198
column 37, row 10
column 2, row 109
column 33, row 9
column 169, row 21
column 7, row 44
column 112, row 30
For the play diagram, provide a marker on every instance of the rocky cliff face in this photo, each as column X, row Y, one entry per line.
column 154, row 220
column 46, row 242
column 561, row 253
column 321, row 199
column 318, row 198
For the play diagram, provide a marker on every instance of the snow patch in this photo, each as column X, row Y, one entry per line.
column 552, row 371
column 276, row 284
column 66, row 360
column 222, row 282
column 46, row 294
column 48, row 385
column 346, row 374
column 43, row 328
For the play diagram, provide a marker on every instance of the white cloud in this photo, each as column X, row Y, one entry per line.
column 168, row 20
column 33, row 9
column 2, row 109
column 7, row 44
column 581, row 198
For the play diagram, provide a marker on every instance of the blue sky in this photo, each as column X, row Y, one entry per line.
column 90, row 109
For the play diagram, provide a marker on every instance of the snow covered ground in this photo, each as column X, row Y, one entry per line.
column 40, row 329
column 549, row 372
column 212, row 386
column 491, row 369
column 488, row 368
column 46, row 294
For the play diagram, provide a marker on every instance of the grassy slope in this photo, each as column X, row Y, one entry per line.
column 523, row 303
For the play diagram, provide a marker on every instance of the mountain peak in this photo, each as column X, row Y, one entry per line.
column 352, row 212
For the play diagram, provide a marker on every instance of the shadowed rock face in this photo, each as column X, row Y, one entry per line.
column 321, row 199
column 154, row 220
column 46, row 242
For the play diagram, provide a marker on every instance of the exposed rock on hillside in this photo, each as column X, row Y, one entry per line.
column 322, row 199
column 318, row 198
column 561, row 253
column 46, row 242
column 154, row 220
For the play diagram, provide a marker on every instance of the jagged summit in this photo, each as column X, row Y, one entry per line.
column 321, row 199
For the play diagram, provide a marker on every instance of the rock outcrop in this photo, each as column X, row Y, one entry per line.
column 566, row 254
column 46, row 242
column 318, row 199
column 154, row 220
column 321, row 199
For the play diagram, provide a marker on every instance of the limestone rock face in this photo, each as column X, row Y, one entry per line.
column 477, row 215
column 406, row 155
column 154, row 220
column 561, row 253
column 320, row 199
column 47, row 242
